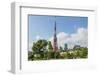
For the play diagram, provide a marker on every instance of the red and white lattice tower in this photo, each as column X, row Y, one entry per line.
column 55, row 45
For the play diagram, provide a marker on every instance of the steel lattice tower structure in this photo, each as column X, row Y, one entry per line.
column 55, row 45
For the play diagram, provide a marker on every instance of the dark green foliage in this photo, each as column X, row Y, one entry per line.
column 50, row 46
column 57, row 55
column 30, row 55
column 61, row 49
column 70, row 55
column 39, row 46
column 43, row 50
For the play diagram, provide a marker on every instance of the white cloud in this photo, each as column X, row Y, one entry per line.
column 78, row 38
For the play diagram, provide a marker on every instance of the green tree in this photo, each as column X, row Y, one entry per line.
column 83, row 53
column 50, row 46
column 30, row 55
column 56, row 55
column 51, row 54
column 39, row 48
column 61, row 49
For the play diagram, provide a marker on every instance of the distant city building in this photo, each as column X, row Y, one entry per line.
column 77, row 46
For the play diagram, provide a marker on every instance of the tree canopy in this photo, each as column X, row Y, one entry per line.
column 43, row 50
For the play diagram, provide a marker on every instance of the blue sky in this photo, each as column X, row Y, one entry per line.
column 43, row 26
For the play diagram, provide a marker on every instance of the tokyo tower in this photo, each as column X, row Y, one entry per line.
column 55, row 45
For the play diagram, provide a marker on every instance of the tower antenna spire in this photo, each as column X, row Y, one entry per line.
column 55, row 45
